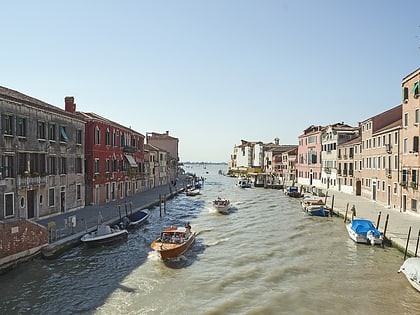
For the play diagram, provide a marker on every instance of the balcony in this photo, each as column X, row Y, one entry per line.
column 26, row 181
column 327, row 170
column 129, row 149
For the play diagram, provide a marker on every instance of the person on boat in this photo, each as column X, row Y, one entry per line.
column 188, row 226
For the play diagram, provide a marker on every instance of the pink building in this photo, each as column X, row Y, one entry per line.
column 308, row 164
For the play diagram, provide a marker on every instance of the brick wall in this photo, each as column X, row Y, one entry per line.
column 19, row 236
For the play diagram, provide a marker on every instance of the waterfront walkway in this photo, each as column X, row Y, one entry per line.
column 398, row 224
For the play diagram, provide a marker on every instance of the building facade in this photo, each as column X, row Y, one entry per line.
column 114, row 158
column 42, row 155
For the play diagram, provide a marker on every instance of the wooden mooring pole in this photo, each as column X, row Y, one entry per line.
column 345, row 215
column 406, row 245
column 417, row 244
column 386, row 224
column 332, row 206
column 379, row 219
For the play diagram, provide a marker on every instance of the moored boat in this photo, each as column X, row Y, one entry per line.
column 135, row 219
column 363, row 231
column 221, row 205
column 320, row 210
column 293, row 191
column 192, row 192
column 411, row 269
column 173, row 241
column 104, row 235
column 244, row 183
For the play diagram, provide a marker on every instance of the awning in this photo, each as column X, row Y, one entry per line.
column 415, row 88
column 130, row 160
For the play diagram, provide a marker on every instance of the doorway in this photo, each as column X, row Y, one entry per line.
column 30, row 202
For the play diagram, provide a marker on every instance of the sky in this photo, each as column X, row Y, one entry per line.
column 213, row 72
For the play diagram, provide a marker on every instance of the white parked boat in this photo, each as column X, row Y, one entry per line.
column 104, row 235
column 411, row 269
column 221, row 205
column 363, row 231
column 192, row 192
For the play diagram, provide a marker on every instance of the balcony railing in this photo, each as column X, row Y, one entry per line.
column 23, row 181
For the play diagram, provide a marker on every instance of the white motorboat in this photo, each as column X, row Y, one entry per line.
column 221, row 205
column 363, row 231
column 411, row 269
column 104, row 235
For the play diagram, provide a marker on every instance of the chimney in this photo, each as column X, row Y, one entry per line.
column 70, row 106
column 276, row 141
column 167, row 132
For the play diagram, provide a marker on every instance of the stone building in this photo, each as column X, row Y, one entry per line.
column 42, row 158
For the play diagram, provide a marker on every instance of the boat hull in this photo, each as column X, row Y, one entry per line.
column 95, row 241
column 169, row 250
column 411, row 269
column 362, row 237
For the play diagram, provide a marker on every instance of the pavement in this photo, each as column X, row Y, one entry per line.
column 396, row 222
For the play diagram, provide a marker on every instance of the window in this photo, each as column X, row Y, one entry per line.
column 9, row 209
column 405, row 146
column 79, row 136
column 107, row 137
column 395, row 188
column 21, row 127
column 415, row 90
column 41, row 130
column 63, row 165
column 52, row 165
column 52, row 132
column 404, row 178
column 405, row 119
column 63, row 134
column 7, row 124
column 405, row 94
column 416, row 116
column 414, row 176
column 114, row 138
column 51, row 197
column 97, row 135
column 96, row 166
column 7, row 167
column 78, row 192
column 416, row 144
column 78, row 164
column 107, row 166
column 414, row 204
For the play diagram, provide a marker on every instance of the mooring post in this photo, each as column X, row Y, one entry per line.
column 417, row 244
column 406, row 245
column 332, row 205
column 131, row 207
column 379, row 219
column 125, row 205
column 386, row 224
column 119, row 211
column 345, row 215
column 353, row 212
column 164, row 203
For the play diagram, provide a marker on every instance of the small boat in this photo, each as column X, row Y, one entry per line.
column 411, row 269
column 135, row 219
column 363, row 231
column 318, row 210
column 104, row 235
column 310, row 201
column 173, row 241
column 221, row 205
column 244, row 183
column 293, row 191
column 192, row 192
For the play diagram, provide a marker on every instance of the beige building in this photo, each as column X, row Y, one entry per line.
column 410, row 142
column 379, row 157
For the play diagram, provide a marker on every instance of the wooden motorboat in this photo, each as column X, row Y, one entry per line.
column 221, row 205
column 104, row 235
column 363, row 231
column 135, row 219
column 173, row 241
column 411, row 269
column 244, row 183
column 310, row 201
column 320, row 210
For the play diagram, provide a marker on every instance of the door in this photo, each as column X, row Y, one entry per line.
column 388, row 196
column 30, row 197
column 374, row 191
column 358, row 188
column 62, row 201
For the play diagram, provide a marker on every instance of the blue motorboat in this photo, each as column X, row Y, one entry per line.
column 363, row 231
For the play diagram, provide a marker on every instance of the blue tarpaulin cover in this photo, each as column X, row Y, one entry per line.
column 361, row 226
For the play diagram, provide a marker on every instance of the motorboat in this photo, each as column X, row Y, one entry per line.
column 363, row 231
column 192, row 192
column 293, row 191
column 411, row 269
column 320, row 210
column 173, row 241
column 104, row 235
column 221, row 205
column 244, row 183
column 311, row 201
column 135, row 219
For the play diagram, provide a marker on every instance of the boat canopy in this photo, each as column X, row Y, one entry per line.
column 361, row 226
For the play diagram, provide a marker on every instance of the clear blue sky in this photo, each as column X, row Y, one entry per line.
column 213, row 72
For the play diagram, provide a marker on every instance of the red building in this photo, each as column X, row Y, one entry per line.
column 114, row 158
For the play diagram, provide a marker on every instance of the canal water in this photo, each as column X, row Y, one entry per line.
column 264, row 257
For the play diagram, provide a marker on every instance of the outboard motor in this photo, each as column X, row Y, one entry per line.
column 370, row 235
